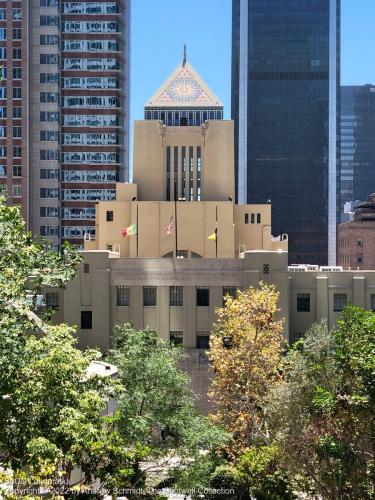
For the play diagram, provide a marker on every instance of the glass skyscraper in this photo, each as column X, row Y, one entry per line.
column 357, row 147
column 285, row 88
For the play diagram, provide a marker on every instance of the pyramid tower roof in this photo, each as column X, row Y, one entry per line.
column 184, row 88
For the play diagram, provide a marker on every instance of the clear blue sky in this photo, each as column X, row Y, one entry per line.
column 161, row 27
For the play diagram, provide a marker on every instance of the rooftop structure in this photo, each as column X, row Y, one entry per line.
column 184, row 99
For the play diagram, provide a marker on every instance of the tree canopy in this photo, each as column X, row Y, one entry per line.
column 245, row 350
column 323, row 411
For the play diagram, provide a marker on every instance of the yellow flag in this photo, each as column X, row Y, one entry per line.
column 212, row 236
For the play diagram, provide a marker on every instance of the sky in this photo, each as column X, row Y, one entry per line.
column 160, row 28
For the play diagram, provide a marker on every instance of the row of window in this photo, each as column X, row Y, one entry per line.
column 17, row 171
column 67, row 231
column 91, row 82
column 16, row 132
column 90, row 176
column 76, row 138
column 96, row 158
column 97, row 64
column 91, row 46
column 185, row 160
column 90, row 138
column 16, row 112
column 16, row 93
column 16, row 14
column 183, row 117
column 17, row 152
column 176, row 337
column 90, row 8
column 90, row 27
column 16, row 34
column 340, row 300
column 251, row 218
column 91, row 101
column 91, row 120
column 68, row 213
column 176, row 297
column 79, row 194
column 17, row 53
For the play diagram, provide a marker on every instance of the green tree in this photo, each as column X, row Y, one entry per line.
column 50, row 409
column 323, row 411
column 157, row 410
column 27, row 264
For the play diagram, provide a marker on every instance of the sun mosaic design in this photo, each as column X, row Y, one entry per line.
column 184, row 90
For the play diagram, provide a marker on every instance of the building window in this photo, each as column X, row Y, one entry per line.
column 203, row 296
column 17, row 170
column 259, row 218
column 17, row 93
column 176, row 296
column 49, row 192
column 17, row 34
column 52, row 300
column 49, row 212
column 86, row 320
column 176, row 337
column 48, row 20
column 266, row 269
column 203, row 340
column 17, row 53
column 182, row 254
column 252, row 218
column 17, row 14
column 359, row 258
column 17, row 112
column 86, row 268
column 17, row 151
column 109, row 216
column 340, row 300
column 149, row 296
column 359, row 241
column 303, row 302
column 49, row 40
column 229, row 290
column 17, row 74
column 123, row 296
column 246, row 218
column 17, row 191
column 372, row 299
column 17, row 132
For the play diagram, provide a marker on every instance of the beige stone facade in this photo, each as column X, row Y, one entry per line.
column 179, row 297
column 238, row 227
column 185, row 180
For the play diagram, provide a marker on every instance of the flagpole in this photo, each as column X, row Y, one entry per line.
column 216, row 231
column 175, row 209
column 137, row 228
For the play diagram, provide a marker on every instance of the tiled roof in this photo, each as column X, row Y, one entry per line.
column 184, row 88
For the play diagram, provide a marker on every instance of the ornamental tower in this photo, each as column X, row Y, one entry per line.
column 184, row 99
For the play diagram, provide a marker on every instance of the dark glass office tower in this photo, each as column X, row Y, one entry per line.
column 357, row 148
column 285, row 87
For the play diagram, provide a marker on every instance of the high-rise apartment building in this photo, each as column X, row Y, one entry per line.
column 14, row 102
column 357, row 145
column 67, row 64
column 285, row 89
